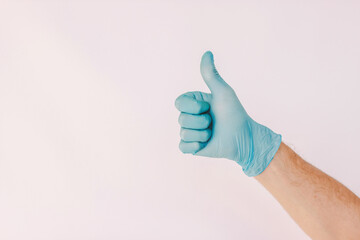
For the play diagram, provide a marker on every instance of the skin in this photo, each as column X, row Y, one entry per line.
column 217, row 125
column 323, row 207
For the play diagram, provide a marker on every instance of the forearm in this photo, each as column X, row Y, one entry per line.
column 217, row 125
column 322, row 207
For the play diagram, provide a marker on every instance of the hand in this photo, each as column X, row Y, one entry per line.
column 217, row 125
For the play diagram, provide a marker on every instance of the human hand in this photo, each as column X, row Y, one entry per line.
column 217, row 125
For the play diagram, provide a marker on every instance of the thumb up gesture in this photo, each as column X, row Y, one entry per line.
column 216, row 125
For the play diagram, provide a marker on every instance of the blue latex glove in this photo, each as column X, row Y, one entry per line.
column 217, row 125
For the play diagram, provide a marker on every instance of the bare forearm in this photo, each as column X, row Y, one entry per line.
column 323, row 207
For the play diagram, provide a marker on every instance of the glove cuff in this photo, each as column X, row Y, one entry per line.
column 264, row 145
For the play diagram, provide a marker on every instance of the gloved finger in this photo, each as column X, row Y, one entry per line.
column 191, row 147
column 194, row 121
column 210, row 75
column 191, row 135
column 188, row 104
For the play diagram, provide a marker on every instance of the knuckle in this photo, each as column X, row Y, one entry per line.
column 181, row 119
column 177, row 102
column 182, row 133
column 181, row 146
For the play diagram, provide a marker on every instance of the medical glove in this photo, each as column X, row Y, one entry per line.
column 216, row 125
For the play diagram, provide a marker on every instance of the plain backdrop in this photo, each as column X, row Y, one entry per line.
column 88, row 128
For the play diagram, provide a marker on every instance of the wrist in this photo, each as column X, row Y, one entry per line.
column 264, row 143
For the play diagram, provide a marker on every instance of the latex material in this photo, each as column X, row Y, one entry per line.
column 217, row 125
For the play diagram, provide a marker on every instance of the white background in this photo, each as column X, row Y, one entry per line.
column 88, row 128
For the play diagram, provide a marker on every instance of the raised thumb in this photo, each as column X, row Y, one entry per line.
column 210, row 75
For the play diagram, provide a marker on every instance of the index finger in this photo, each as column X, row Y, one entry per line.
column 188, row 104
